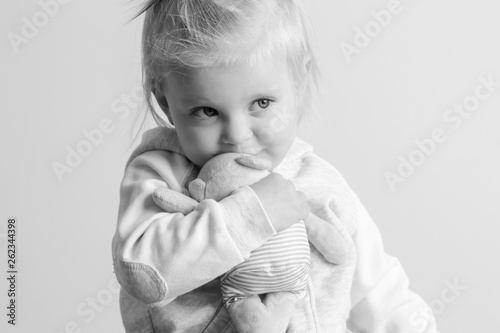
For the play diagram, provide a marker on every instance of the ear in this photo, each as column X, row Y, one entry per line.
column 162, row 102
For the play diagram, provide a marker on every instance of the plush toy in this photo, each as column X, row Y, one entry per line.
column 222, row 175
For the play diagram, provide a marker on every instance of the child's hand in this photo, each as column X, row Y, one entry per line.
column 282, row 202
column 271, row 315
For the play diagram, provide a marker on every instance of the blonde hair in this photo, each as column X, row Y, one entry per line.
column 206, row 33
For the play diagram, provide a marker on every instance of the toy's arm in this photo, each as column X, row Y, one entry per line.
column 158, row 255
column 174, row 202
column 327, row 238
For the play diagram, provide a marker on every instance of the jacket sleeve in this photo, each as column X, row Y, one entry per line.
column 380, row 298
column 158, row 256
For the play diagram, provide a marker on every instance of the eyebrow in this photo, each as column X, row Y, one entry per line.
column 193, row 99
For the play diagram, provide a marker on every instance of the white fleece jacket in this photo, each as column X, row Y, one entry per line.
column 168, row 264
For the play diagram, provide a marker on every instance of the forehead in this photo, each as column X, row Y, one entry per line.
column 267, row 75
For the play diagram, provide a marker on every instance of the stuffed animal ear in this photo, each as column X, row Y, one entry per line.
column 254, row 162
column 197, row 189
column 173, row 202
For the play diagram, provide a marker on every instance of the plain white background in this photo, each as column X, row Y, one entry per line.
column 79, row 68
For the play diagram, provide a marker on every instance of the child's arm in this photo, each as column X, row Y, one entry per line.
column 158, row 255
column 381, row 300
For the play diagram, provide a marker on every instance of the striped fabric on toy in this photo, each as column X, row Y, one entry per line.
column 281, row 264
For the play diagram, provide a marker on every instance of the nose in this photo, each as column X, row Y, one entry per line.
column 237, row 130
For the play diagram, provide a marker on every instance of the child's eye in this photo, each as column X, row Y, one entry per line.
column 264, row 103
column 205, row 112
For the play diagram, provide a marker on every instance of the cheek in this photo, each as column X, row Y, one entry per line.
column 197, row 143
column 280, row 134
column 285, row 137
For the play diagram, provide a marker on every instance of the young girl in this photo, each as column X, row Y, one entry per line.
column 237, row 76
